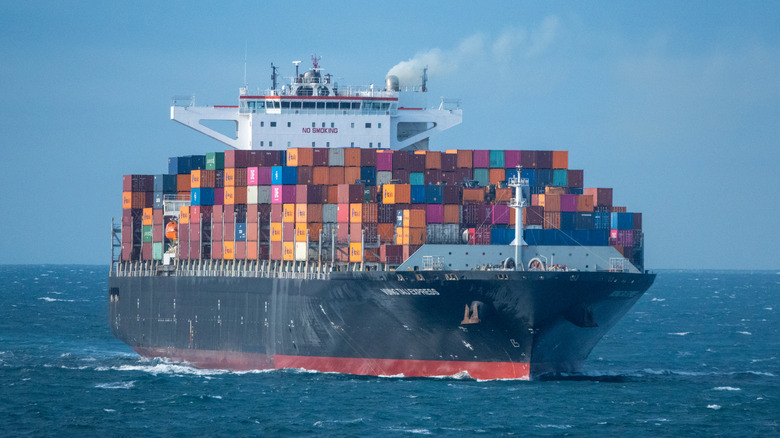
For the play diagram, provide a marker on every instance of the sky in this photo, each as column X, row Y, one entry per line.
column 676, row 105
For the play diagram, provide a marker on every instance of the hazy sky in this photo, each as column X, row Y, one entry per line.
column 675, row 104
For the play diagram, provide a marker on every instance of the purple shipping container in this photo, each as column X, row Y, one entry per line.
column 544, row 160
column 462, row 174
column 574, row 178
column 637, row 221
column 500, row 214
column 528, row 159
column 401, row 175
column 384, row 161
column 401, row 160
column 305, row 174
column 308, row 194
column 320, row 157
column 470, row 214
column 433, row 176
column 448, row 178
column 481, row 159
column 568, row 202
column 264, row 176
column 511, row 159
column 434, row 213
column 449, row 162
column 416, row 163
column 270, row 158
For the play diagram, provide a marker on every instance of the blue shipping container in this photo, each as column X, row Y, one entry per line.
column 530, row 175
column 179, row 165
column 560, row 177
column 368, row 174
column 202, row 196
column 433, row 194
column 417, row 178
column 284, row 175
column 497, row 159
column 197, row 162
column 601, row 220
column 418, row 194
column 158, row 200
column 544, row 177
column 482, row 176
column 622, row 221
column 165, row 183
column 240, row 231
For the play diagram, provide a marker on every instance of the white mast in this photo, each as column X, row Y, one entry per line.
column 518, row 203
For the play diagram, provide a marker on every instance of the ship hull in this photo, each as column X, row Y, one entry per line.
column 489, row 324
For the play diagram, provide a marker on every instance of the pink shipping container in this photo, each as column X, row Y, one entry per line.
column 252, row 176
column 481, row 159
column 264, row 176
column 384, row 160
column 434, row 213
column 568, row 202
column 500, row 214
column 342, row 214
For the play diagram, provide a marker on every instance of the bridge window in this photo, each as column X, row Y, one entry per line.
column 261, row 123
column 368, row 125
column 313, row 125
column 323, row 124
column 332, row 105
column 355, row 105
column 273, row 124
column 332, row 125
column 344, row 105
column 289, row 124
column 308, row 105
column 352, row 125
column 379, row 125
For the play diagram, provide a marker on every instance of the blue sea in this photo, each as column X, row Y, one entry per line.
column 699, row 355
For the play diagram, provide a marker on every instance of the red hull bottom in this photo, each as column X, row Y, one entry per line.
column 238, row 361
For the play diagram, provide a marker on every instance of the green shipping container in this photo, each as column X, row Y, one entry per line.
column 482, row 176
column 417, row 178
column 560, row 177
column 497, row 159
column 147, row 234
column 157, row 251
column 215, row 160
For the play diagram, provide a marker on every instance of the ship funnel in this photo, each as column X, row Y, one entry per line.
column 391, row 83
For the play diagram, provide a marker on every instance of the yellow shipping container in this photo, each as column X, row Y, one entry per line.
column 184, row 215
column 228, row 252
column 288, row 213
column 276, row 232
column 300, row 232
column 147, row 218
column 288, row 251
column 355, row 252
column 301, row 213
column 355, row 213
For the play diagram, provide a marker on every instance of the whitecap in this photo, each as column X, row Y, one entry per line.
column 55, row 299
column 726, row 388
column 116, row 385
column 554, row 426
column 715, row 407
column 745, row 333
column 767, row 308
column 658, row 299
column 679, row 333
column 110, row 410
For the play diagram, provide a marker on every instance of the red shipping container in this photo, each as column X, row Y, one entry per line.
column 386, row 232
column 533, row 216
column 448, row 178
column 401, row 175
column 528, row 159
column 305, row 175
column 320, row 157
column 552, row 219
column 473, row 195
column 416, row 163
column 368, row 157
column 370, row 213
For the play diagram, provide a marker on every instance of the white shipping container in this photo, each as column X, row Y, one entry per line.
column 264, row 194
column 336, row 157
column 383, row 177
column 251, row 194
column 301, row 251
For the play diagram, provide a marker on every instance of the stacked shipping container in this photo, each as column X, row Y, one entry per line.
column 376, row 205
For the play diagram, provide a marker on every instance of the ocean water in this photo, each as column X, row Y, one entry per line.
column 699, row 355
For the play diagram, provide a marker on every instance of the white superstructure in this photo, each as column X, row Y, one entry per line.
column 313, row 111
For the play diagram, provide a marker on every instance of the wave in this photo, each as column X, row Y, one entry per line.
column 726, row 388
column 51, row 300
column 679, row 333
column 116, row 385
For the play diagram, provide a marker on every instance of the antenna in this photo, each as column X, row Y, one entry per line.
column 424, row 87
column 273, row 76
column 315, row 60
column 245, row 50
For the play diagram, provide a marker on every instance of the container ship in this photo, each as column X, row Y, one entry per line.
column 329, row 237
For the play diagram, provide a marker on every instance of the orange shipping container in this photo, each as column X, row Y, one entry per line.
column 351, row 174
column 235, row 195
column 300, row 232
column 148, row 216
column 451, row 214
column 552, row 219
column 496, row 176
column 550, row 190
column 301, row 213
column 351, row 159
column 336, row 175
column 551, row 203
column 251, row 250
column 355, row 213
column 414, row 218
column 396, row 194
column 416, row 236
column 465, row 159
column 300, row 157
column 386, row 232
column 560, row 159
column 228, row 250
column 320, row 176
column 504, row 195
column 473, row 195
column 184, row 215
column 288, row 213
column 400, row 234
column 183, row 183
column 333, row 195
column 584, row 203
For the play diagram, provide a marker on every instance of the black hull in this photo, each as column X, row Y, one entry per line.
column 491, row 324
